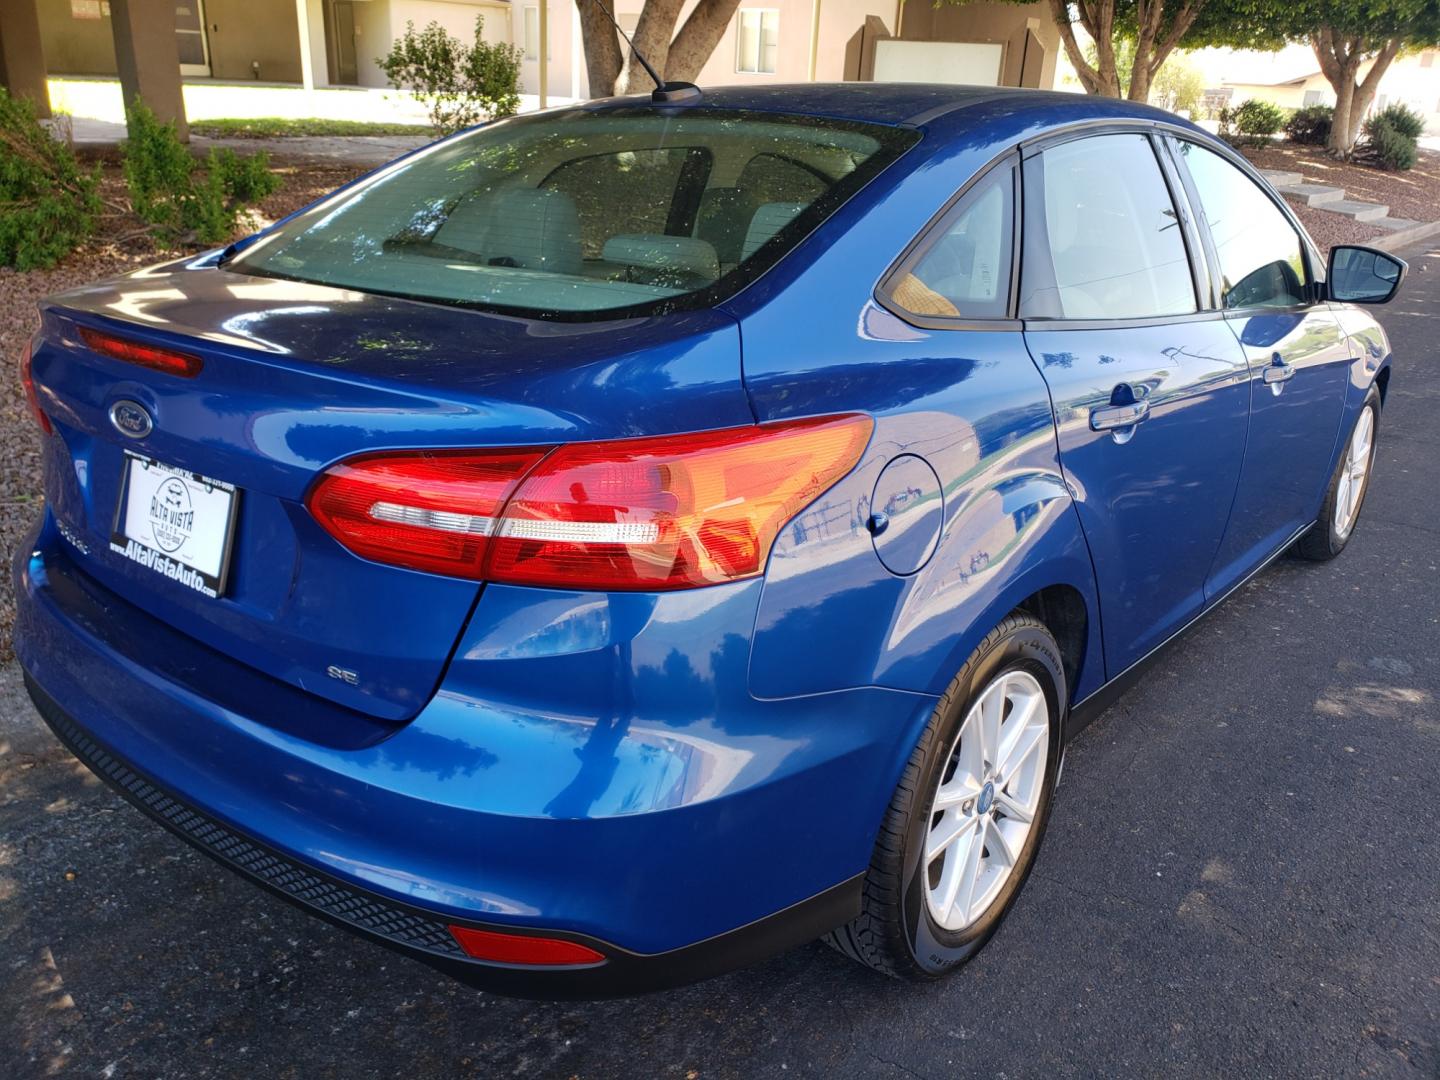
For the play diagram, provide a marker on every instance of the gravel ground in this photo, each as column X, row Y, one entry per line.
column 101, row 257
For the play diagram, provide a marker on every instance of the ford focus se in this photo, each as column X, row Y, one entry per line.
column 618, row 543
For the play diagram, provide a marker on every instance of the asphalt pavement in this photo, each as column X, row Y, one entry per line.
column 1242, row 877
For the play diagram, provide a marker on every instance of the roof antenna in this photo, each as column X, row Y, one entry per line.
column 665, row 93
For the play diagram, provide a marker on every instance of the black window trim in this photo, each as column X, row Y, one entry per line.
column 936, row 228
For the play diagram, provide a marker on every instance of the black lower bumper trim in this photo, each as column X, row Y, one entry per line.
column 424, row 935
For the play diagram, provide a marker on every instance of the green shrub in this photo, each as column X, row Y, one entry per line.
column 48, row 203
column 184, row 203
column 1388, row 149
column 1403, row 119
column 1310, row 126
column 1257, row 118
column 459, row 84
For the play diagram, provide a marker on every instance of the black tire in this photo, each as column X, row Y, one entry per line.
column 894, row 932
column 1324, row 541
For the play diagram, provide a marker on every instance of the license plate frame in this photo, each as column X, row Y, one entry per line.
column 166, row 541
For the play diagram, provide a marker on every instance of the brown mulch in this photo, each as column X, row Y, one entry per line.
column 102, row 256
column 1413, row 194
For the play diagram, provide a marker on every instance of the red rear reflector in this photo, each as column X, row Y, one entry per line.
column 430, row 510
column 27, row 380
column 671, row 512
column 170, row 361
column 523, row 949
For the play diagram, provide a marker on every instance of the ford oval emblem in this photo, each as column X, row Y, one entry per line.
column 131, row 419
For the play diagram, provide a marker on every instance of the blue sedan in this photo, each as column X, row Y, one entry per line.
column 616, row 544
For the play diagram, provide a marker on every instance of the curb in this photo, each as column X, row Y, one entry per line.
column 1405, row 237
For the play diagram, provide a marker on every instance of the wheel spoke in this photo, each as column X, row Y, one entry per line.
column 1014, row 808
column 1000, row 845
column 951, row 828
column 953, row 876
column 1023, row 743
column 970, row 874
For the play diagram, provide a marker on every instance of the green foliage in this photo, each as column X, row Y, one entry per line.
column 1252, row 121
column 1389, row 143
column 459, row 84
column 1310, row 125
column 1387, row 148
column 1403, row 119
column 184, row 203
column 48, row 203
column 1177, row 86
column 272, row 127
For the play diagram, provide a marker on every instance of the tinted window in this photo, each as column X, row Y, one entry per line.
column 1107, row 244
column 568, row 214
column 632, row 191
column 1261, row 264
column 965, row 270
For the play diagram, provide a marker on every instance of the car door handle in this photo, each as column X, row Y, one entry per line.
column 1111, row 417
column 1278, row 371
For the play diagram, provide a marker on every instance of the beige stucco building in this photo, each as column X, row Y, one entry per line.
column 335, row 42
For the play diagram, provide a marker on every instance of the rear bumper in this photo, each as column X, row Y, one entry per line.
column 677, row 848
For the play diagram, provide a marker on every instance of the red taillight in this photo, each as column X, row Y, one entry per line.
column 171, row 361
column 671, row 512
column 523, row 948
column 27, row 380
column 637, row 514
column 432, row 510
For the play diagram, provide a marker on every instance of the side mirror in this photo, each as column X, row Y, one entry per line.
column 1361, row 275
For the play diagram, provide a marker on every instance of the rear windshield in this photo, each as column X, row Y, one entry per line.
column 581, row 214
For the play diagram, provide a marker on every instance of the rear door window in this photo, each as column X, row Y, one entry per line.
column 1102, row 236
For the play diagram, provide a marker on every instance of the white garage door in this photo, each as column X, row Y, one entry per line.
column 970, row 63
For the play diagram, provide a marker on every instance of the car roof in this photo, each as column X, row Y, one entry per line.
column 894, row 103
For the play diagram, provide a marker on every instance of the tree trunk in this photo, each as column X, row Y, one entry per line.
column 652, row 39
column 1340, row 60
column 697, row 39
column 602, row 48
column 1152, row 50
column 1365, row 91
column 1096, row 78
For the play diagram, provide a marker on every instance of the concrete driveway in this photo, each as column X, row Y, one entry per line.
column 1242, row 877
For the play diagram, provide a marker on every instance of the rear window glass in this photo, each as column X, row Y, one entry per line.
column 582, row 214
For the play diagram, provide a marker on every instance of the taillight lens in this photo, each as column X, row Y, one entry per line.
column 171, row 361
column 27, row 380
column 429, row 511
column 668, row 513
column 671, row 512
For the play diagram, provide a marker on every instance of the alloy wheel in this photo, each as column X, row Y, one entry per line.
column 1355, row 472
column 984, row 808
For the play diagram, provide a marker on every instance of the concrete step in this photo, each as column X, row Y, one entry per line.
column 1360, row 211
column 1312, row 194
column 1281, row 178
column 1394, row 224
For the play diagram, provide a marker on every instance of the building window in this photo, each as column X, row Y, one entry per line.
column 757, row 41
column 1313, row 97
column 532, row 35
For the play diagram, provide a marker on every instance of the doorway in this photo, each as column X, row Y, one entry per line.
column 190, row 37
column 340, row 42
